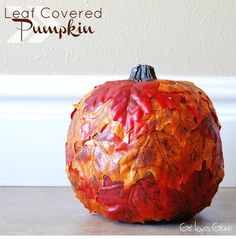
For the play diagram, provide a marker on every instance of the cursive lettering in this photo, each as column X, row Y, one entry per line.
column 70, row 29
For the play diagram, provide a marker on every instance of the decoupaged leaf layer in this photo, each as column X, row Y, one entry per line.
column 142, row 151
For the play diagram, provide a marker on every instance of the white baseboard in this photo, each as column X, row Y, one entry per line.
column 34, row 119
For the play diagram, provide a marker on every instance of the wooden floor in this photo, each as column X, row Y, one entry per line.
column 55, row 211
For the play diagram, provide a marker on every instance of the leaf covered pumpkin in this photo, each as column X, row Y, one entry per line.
column 145, row 149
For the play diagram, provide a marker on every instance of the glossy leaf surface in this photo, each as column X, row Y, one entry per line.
column 151, row 143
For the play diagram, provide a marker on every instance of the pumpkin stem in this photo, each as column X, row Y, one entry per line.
column 140, row 73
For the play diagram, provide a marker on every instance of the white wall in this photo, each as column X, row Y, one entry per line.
column 35, row 116
column 184, row 37
column 192, row 39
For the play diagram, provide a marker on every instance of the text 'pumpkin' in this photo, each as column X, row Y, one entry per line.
column 145, row 149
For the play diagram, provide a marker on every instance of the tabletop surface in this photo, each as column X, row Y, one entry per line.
column 55, row 211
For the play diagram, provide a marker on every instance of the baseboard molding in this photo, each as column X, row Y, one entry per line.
column 60, row 89
column 70, row 86
column 34, row 118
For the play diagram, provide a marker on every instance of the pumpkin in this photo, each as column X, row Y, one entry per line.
column 145, row 149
